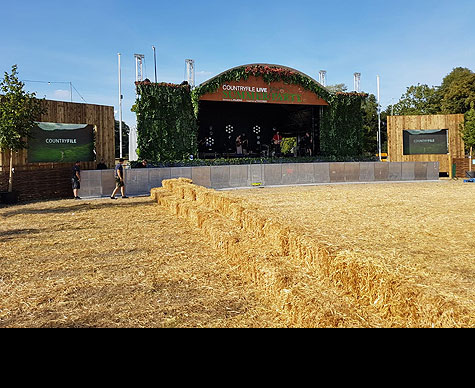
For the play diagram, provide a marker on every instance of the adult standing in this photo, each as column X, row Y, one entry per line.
column 276, row 142
column 245, row 144
column 76, row 179
column 102, row 165
column 119, row 179
column 144, row 164
column 239, row 145
column 306, row 144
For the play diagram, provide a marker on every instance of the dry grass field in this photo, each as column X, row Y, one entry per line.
column 128, row 263
column 369, row 255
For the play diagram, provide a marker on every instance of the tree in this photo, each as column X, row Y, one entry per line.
column 458, row 91
column 455, row 75
column 369, row 109
column 337, row 88
column 18, row 112
column 419, row 100
column 468, row 131
column 125, row 139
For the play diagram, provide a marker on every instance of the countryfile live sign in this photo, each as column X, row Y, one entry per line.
column 255, row 90
column 253, row 94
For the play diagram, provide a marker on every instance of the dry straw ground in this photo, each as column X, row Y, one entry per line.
column 397, row 255
column 126, row 263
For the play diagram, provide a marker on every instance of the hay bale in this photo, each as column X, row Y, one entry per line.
column 250, row 238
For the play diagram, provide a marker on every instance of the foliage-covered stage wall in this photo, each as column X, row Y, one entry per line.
column 167, row 114
column 166, row 123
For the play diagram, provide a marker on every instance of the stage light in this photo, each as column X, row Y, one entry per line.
column 209, row 141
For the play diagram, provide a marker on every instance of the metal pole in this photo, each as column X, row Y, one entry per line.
column 379, row 123
column 155, row 62
column 120, row 111
column 71, row 90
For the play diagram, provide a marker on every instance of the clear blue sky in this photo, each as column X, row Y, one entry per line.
column 405, row 42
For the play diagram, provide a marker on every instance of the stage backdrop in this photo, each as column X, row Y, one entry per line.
column 61, row 143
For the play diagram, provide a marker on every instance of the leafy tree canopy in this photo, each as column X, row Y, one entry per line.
column 454, row 95
column 125, row 138
column 455, row 75
column 418, row 100
column 18, row 112
column 468, row 132
column 369, row 109
column 458, row 91
column 337, row 88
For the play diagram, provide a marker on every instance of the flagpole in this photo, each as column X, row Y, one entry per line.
column 120, row 110
column 379, row 122
column 155, row 62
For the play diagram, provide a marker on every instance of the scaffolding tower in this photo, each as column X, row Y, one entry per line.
column 139, row 67
column 322, row 77
column 190, row 72
column 357, row 82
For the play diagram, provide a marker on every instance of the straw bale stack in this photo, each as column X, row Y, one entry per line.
column 291, row 268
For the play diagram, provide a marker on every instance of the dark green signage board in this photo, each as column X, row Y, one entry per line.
column 426, row 142
column 61, row 143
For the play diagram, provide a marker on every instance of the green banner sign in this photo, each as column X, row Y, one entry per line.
column 425, row 142
column 61, row 143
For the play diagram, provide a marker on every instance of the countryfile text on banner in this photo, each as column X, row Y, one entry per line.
column 61, row 143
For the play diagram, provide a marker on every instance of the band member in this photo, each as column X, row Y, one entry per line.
column 239, row 145
column 245, row 144
column 306, row 144
column 276, row 141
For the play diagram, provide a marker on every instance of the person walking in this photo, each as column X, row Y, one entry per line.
column 119, row 179
column 76, row 179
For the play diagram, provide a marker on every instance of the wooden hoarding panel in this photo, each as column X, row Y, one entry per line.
column 452, row 123
column 101, row 117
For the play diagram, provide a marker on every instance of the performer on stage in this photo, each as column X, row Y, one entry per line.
column 239, row 145
column 276, row 141
column 245, row 144
column 306, row 144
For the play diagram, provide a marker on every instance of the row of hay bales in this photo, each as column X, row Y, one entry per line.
column 286, row 265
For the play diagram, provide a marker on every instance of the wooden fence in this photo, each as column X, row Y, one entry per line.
column 40, row 184
column 53, row 180
column 462, row 165
column 397, row 124
column 102, row 117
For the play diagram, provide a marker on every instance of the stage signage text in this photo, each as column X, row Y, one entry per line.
column 255, row 94
column 256, row 90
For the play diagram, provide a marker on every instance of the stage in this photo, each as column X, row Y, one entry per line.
column 220, row 124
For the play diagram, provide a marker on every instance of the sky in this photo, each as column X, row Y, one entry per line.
column 62, row 42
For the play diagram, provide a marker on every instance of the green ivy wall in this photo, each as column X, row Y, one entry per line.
column 166, row 123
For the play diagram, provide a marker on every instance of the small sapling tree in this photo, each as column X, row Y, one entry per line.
column 18, row 112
